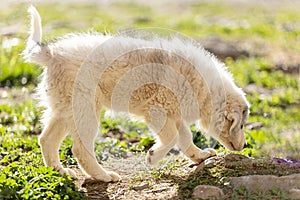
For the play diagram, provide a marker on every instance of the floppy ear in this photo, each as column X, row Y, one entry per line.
column 235, row 118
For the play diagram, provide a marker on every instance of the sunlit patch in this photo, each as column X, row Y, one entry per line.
column 8, row 43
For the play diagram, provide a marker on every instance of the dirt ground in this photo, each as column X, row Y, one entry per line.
column 171, row 179
column 139, row 181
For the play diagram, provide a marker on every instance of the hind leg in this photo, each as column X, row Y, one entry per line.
column 50, row 139
column 167, row 138
column 84, row 153
column 85, row 126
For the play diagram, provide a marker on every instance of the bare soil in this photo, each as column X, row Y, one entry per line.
column 176, row 177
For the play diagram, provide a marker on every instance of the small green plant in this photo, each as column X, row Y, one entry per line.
column 19, row 181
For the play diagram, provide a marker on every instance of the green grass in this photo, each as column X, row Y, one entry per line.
column 13, row 71
column 22, row 175
column 29, row 182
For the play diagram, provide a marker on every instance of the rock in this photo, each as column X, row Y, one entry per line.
column 252, row 88
column 230, row 161
column 207, row 192
column 10, row 30
column 223, row 49
column 141, row 187
column 234, row 157
column 236, row 160
column 294, row 194
column 287, row 161
column 266, row 182
column 210, row 162
column 254, row 126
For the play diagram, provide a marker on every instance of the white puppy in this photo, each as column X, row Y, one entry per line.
column 171, row 82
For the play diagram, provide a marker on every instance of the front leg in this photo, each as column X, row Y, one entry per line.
column 198, row 155
column 167, row 138
column 186, row 145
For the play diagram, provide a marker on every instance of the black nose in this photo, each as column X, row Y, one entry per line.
column 246, row 145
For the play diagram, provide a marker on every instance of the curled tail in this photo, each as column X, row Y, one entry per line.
column 35, row 26
column 35, row 51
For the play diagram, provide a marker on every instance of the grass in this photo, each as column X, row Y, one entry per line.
column 268, row 34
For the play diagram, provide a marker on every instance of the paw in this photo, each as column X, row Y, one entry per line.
column 67, row 171
column 114, row 176
column 153, row 157
column 202, row 155
column 209, row 152
column 110, row 176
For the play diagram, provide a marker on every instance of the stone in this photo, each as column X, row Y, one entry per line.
column 237, row 160
column 207, row 192
column 294, row 194
column 141, row 187
column 235, row 157
column 230, row 161
column 210, row 162
column 266, row 182
column 254, row 125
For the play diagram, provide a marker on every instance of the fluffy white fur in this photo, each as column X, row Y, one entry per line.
column 170, row 82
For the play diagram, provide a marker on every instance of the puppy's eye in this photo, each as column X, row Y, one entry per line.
column 242, row 126
column 244, row 112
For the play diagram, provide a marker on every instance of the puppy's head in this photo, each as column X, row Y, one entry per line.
column 234, row 118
